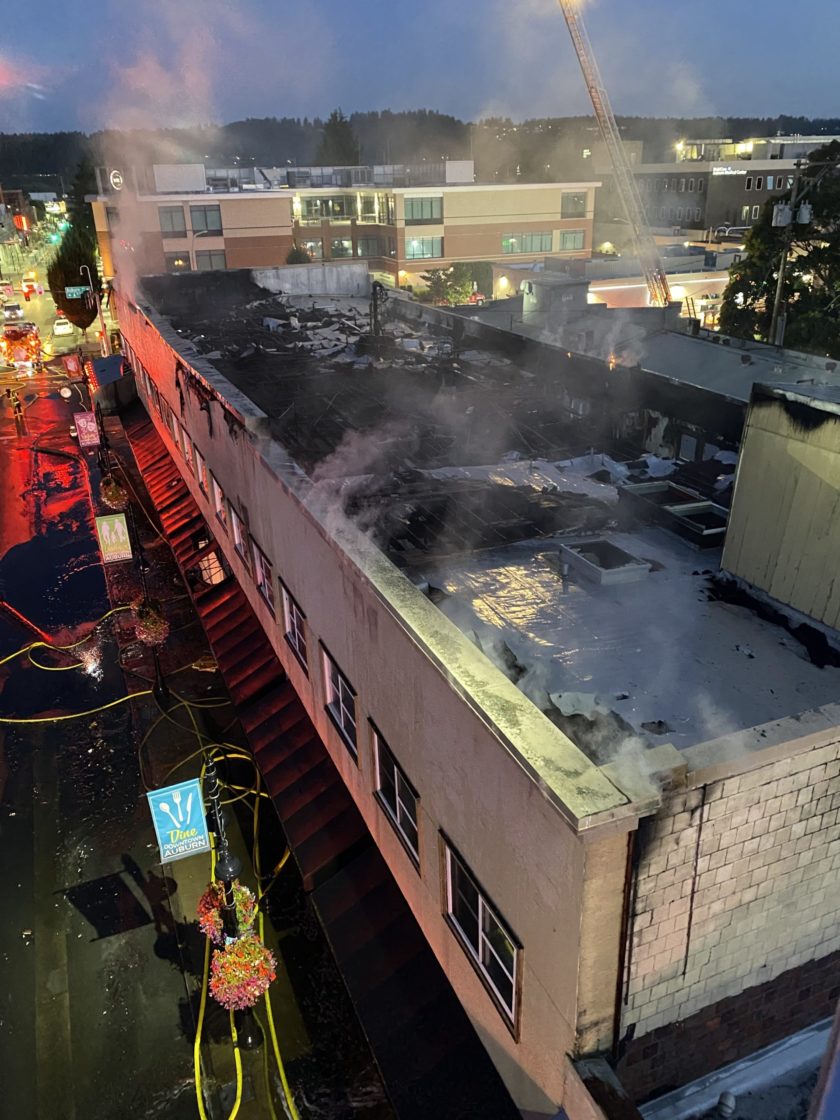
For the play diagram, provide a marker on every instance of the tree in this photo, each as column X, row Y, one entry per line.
column 339, row 146
column 449, row 285
column 811, row 290
column 296, row 255
column 79, row 210
column 63, row 271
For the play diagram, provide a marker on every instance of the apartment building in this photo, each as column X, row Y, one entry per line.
column 182, row 218
column 609, row 799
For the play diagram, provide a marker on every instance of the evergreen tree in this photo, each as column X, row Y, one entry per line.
column 64, row 271
column 812, row 278
column 339, row 146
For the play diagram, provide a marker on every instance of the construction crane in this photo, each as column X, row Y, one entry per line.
column 628, row 192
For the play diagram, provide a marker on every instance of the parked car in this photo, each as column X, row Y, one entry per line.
column 12, row 312
column 62, row 326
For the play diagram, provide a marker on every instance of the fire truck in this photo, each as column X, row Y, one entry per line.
column 20, row 345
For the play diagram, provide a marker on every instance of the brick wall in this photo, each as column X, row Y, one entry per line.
column 738, row 883
column 730, row 1029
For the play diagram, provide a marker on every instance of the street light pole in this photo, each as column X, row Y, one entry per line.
column 777, row 330
column 106, row 342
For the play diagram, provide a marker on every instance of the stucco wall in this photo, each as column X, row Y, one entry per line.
column 738, row 878
column 784, row 529
column 340, row 279
column 507, row 788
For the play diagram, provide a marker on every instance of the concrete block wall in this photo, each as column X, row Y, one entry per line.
column 738, row 882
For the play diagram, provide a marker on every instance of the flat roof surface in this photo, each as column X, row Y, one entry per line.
column 660, row 651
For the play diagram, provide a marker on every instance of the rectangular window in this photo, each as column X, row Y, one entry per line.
column 482, row 933
column 526, row 242
column 262, row 574
column 238, row 527
column 186, row 444
column 745, row 213
column 664, row 184
column 573, row 204
column 176, row 430
column 210, row 260
column 572, row 239
column 759, row 183
column 342, row 247
column 341, row 703
column 206, row 219
column 701, row 185
column 172, row 221
column 396, row 795
column 200, row 470
column 770, row 182
column 420, row 210
column 177, row 262
column 756, row 210
column 369, row 247
column 691, row 186
column 294, row 628
column 315, row 248
column 748, row 183
column 679, row 213
column 219, row 503
column 697, row 214
column 418, row 248
column 682, row 185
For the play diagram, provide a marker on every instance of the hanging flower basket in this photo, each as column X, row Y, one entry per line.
column 241, row 972
column 151, row 627
column 113, row 493
column 210, row 910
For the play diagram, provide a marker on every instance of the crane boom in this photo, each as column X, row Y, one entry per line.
column 628, row 192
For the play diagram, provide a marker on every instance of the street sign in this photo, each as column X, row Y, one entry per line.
column 76, row 292
column 86, row 428
column 178, row 817
column 113, row 537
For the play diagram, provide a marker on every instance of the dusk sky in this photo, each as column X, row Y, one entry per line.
column 149, row 62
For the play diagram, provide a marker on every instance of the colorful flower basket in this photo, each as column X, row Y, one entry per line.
column 210, row 910
column 151, row 627
column 241, row 972
column 113, row 493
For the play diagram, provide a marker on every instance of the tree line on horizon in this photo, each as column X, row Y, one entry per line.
column 537, row 150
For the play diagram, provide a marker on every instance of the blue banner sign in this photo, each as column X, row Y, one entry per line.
column 178, row 817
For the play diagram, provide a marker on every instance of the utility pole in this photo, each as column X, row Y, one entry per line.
column 106, row 342
column 777, row 326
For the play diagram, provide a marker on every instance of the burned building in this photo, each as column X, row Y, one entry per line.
column 605, row 790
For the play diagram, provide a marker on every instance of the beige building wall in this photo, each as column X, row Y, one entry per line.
column 787, row 495
column 739, row 879
column 541, row 828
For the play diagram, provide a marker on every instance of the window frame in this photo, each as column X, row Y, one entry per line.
column 171, row 210
column 208, row 255
column 187, row 449
column 239, row 532
column 335, row 704
column 510, row 1012
column 200, row 470
column 431, row 203
column 263, row 571
column 756, row 213
column 294, row 627
column 400, row 778
column 578, row 234
column 436, row 243
column 169, row 258
column 748, row 182
column 574, row 210
column 220, row 510
column 204, row 208
column 538, row 242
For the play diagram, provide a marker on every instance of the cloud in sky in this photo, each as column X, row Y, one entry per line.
column 226, row 59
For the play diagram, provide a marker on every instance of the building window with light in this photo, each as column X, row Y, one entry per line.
column 397, row 796
column 341, row 703
column 420, row 211
column 314, row 247
column 294, row 627
column 172, row 221
column 369, row 247
column 526, row 242
column 206, row 219
column 341, row 247
column 484, row 936
column 423, row 248
column 219, row 503
column 262, row 574
column 210, row 260
column 177, row 262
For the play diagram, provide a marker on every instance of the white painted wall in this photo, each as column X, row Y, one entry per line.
column 334, row 278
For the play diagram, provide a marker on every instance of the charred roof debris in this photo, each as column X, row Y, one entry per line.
column 576, row 559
